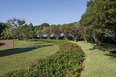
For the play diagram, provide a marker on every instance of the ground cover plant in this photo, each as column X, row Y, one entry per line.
column 66, row 62
column 24, row 54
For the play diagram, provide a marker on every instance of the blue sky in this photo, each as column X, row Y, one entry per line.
column 42, row 11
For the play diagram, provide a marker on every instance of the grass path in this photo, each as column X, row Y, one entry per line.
column 97, row 63
column 24, row 54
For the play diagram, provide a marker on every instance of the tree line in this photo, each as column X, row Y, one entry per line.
column 18, row 28
column 98, row 22
column 72, row 29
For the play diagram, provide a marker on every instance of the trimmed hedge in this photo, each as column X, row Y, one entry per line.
column 66, row 62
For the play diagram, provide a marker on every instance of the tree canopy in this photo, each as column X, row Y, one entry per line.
column 100, row 18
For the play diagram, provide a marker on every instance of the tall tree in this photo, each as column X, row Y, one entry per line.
column 45, row 25
column 75, row 30
column 55, row 30
column 42, row 26
column 11, row 23
column 19, row 24
column 14, row 26
column 31, row 27
column 65, row 29
column 84, row 33
column 31, row 30
column 53, row 25
column 36, row 28
column 39, row 32
column 2, row 27
column 6, row 33
column 99, row 18
column 47, row 31
column 25, row 32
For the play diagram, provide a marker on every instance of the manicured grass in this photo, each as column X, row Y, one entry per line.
column 24, row 54
column 98, row 63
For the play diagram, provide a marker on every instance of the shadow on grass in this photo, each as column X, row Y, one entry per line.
column 111, row 55
column 111, row 48
column 8, row 52
column 2, row 44
column 105, row 47
column 38, row 43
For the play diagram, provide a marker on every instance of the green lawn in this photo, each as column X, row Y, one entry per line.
column 24, row 54
column 98, row 63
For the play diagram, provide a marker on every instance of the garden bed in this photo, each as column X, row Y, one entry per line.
column 66, row 62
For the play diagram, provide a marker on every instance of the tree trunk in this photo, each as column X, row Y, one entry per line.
column 57, row 37
column 7, row 38
column 75, row 39
column 13, row 43
column 17, row 38
column 65, row 37
column 48, row 37
column 85, row 40
column 40, row 37
column 96, row 38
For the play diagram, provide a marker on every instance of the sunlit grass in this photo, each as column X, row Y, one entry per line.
column 98, row 63
column 24, row 54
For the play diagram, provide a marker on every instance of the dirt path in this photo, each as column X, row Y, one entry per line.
column 5, row 45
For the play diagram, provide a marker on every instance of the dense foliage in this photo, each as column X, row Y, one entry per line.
column 99, row 20
column 2, row 27
column 41, row 26
column 66, row 62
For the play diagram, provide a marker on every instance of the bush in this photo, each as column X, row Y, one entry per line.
column 66, row 62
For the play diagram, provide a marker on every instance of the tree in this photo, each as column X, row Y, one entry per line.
column 2, row 27
column 84, row 33
column 65, row 29
column 25, row 32
column 36, row 28
column 47, row 31
column 53, row 25
column 112, row 33
column 31, row 27
column 99, row 18
column 11, row 24
column 39, row 32
column 75, row 30
column 45, row 25
column 33, row 34
column 19, row 24
column 6, row 33
column 55, row 30
column 14, row 26
column 31, row 30
column 42, row 26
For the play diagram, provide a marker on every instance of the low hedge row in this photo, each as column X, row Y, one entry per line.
column 67, row 62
